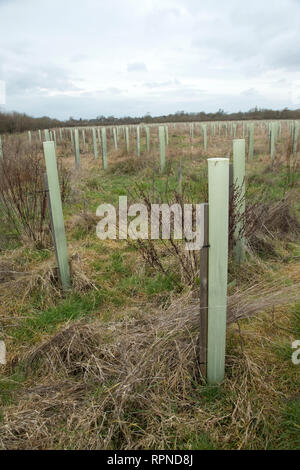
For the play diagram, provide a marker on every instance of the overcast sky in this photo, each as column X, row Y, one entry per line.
column 85, row 58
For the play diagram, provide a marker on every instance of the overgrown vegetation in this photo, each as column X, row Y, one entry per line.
column 23, row 199
column 113, row 364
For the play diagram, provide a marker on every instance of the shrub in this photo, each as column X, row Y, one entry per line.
column 23, row 200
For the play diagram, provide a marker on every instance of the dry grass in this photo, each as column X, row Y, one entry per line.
column 104, row 386
column 20, row 284
column 135, row 383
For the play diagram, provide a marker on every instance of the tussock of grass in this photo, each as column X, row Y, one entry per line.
column 140, row 369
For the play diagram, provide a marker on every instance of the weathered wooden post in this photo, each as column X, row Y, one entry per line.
column 218, row 198
column 95, row 143
column 203, row 290
column 59, row 233
column 162, row 147
column 239, row 174
column 77, row 149
column 104, row 148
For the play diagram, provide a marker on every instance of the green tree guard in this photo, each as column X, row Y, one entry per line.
column 115, row 134
column 57, row 215
column 218, row 198
column 162, row 147
column 138, row 142
column 251, row 142
column 204, row 128
column 239, row 173
column 272, row 142
column 95, row 143
column 127, row 139
column 167, row 135
column 296, row 137
column 104, row 148
column 148, row 139
column 77, row 149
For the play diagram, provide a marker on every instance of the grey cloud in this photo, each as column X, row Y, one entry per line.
column 121, row 57
column 76, row 58
column 257, row 33
column 250, row 92
column 51, row 78
column 136, row 67
column 162, row 84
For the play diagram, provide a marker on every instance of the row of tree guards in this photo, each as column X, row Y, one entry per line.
column 214, row 220
column 229, row 129
column 213, row 256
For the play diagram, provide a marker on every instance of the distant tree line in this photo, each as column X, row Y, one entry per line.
column 17, row 122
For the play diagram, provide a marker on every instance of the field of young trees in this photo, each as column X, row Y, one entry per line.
column 111, row 358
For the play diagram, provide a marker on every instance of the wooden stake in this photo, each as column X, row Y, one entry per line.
column 203, row 291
